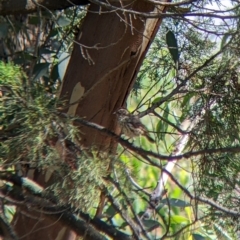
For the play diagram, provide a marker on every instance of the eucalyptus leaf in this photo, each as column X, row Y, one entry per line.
column 151, row 224
column 110, row 212
column 197, row 236
column 40, row 70
column 63, row 63
column 54, row 73
column 63, row 21
column 175, row 202
column 44, row 50
column 225, row 39
column 172, row 45
column 178, row 219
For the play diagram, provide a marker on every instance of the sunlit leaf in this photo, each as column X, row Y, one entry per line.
column 187, row 99
column 166, row 112
column 179, row 219
column 9, row 212
column 63, row 63
column 63, row 21
column 156, row 100
column 161, row 129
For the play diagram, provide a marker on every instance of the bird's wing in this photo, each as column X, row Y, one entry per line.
column 137, row 123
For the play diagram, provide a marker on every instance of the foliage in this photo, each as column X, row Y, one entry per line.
column 210, row 101
column 33, row 132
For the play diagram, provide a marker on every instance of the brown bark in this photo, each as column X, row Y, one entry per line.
column 101, row 72
column 104, row 65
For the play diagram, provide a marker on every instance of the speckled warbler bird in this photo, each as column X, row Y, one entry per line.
column 131, row 124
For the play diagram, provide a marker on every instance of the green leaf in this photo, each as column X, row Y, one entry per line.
column 124, row 225
column 161, row 129
column 40, row 70
column 34, row 20
column 63, row 63
column 177, row 219
column 166, row 112
column 175, row 202
column 63, row 21
column 172, row 45
column 151, row 224
column 9, row 212
column 157, row 99
column 224, row 39
column 43, row 50
column 54, row 32
column 198, row 236
column 187, row 99
column 54, row 73
column 110, row 212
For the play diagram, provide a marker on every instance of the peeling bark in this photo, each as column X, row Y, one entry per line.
column 104, row 64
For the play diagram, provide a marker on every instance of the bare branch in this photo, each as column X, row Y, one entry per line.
column 28, row 6
column 209, row 14
column 145, row 153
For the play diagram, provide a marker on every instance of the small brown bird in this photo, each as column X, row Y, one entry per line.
column 131, row 124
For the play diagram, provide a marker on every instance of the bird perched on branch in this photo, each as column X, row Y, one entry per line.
column 131, row 124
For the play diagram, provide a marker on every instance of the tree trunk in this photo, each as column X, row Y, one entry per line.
column 101, row 72
column 104, row 64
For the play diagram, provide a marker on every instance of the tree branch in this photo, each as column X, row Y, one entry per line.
column 28, row 6
column 145, row 153
column 84, row 225
column 207, row 201
column 209, row 14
